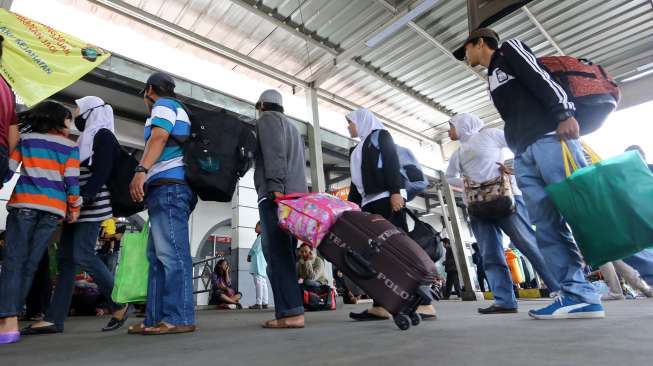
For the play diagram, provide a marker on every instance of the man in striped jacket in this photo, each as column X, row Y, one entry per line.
column 538, row 115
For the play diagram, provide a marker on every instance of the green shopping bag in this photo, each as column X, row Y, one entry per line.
column 130, row 285
column 608, row 205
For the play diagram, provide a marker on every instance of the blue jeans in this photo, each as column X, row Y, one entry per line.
column 643, row 263
column 77, row 249
column 490, row 240
column 26, row 240
column 540, row 165
column 280, row 250
column 170, row 282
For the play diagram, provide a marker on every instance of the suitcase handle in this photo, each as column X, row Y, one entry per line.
column 360, row 266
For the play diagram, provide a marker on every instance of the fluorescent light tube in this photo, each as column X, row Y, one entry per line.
column 405, row 19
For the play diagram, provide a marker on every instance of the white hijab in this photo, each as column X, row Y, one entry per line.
column 467, row 125
column 365, row 122
column 96, row 120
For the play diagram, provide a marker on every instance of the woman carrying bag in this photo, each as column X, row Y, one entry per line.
column 477, row 166
column 377, row 186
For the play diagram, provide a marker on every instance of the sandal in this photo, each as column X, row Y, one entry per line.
column 164, row 328
column 280, row 324
column 137, row 328
column 9, row 337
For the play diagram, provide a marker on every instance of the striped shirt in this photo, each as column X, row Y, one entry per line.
column 100, row 208
column 169, row 115
column 49, row 177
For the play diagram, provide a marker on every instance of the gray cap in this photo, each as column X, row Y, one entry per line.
column 474, row 35
column 271, row 96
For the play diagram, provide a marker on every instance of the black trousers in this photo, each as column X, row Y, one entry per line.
column 480, row 275
column 452, row 281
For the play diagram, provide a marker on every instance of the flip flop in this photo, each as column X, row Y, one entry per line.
column 9, row 337
column 137, row 328
column 276, row 324
column 366, row 316
column 164, row 328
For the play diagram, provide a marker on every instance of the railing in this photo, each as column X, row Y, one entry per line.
column 202, row 271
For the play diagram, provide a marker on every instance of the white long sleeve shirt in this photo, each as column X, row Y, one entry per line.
column 477, row 159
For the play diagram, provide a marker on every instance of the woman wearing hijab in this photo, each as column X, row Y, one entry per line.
column 377, row 185
column 480, row 159
column 98, row 150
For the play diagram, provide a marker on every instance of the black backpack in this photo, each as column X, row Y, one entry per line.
column 427, row 237
column 220, row 150
column 122, row 174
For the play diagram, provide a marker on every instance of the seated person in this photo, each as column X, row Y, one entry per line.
column 221, row 292
column 310, row 268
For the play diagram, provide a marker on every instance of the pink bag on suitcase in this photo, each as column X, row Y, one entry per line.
column 309, row 216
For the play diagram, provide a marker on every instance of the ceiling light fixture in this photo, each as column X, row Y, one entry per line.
column 402, row 21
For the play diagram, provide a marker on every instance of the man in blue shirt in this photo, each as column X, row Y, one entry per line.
column 160, row 174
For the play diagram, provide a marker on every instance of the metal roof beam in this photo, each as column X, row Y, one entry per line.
column 285, row 23
column 123, row 8
column 424, row 34
column 368, row 68
column 349, row 105
column 542, row 30
column 273, row 16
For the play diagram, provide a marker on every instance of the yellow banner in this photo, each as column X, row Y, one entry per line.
column 38, row 61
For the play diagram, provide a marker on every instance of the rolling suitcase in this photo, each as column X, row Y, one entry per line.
column 387, row 264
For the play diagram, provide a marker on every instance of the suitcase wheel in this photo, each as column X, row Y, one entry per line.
column 402, row 321
column 415, row 319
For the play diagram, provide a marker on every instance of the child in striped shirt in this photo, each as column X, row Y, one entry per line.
column 46, row 192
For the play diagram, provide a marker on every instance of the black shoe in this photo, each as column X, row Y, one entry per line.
column 48, row 329
column 117, row 323
column 496, row 309
column 264, row 306
column 366, row 316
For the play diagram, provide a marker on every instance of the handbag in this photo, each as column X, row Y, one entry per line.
column 492, row 199
column 608, row 205
column 130, row 284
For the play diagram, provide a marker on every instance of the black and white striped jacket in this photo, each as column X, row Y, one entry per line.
column 530, row 102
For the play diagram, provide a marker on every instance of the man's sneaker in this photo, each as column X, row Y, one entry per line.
column 566, row 308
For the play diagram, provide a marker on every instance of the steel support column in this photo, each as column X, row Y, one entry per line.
column 460, row 252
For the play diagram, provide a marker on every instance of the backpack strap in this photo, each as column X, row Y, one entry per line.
column 181, row 144
column 374, row 140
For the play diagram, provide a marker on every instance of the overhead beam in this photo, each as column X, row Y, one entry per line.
column 542, row 30
column 345, row 57
column 392, row 125
column 434, row 42
column 393, row 82
column 286, row 23
column 636, row 92
column 125, row 9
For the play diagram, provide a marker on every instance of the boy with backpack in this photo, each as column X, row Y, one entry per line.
column 538, row 115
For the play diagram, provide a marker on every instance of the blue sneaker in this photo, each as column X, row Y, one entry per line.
column 566, row 308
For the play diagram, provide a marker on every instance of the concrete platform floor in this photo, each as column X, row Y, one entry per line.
column 459, row 337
